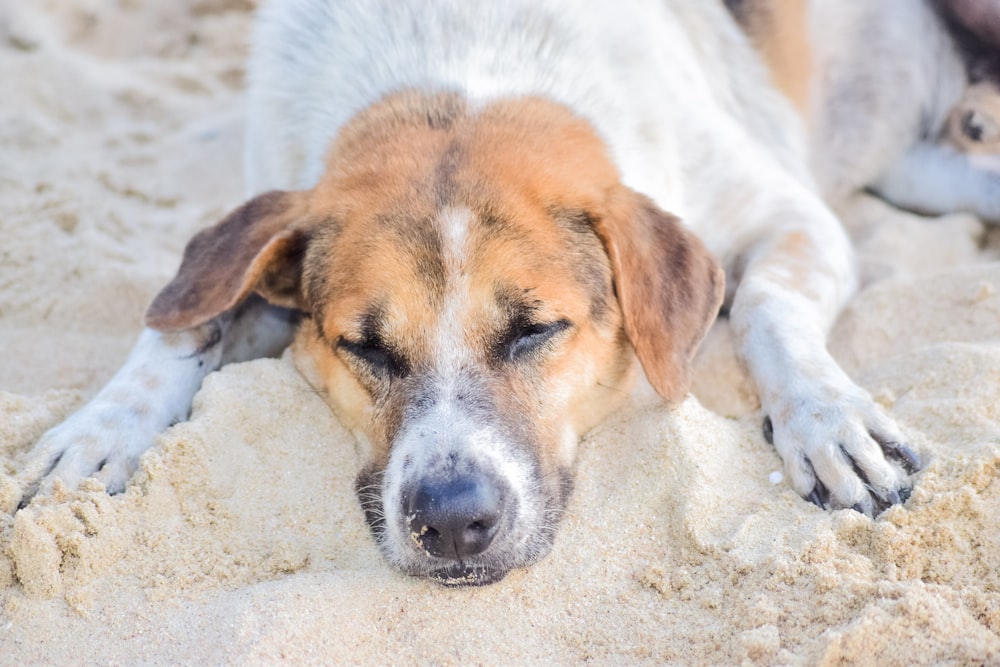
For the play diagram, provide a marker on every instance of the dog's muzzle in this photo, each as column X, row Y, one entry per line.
column 455, row 520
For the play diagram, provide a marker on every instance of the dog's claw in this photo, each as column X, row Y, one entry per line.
column 768, row 428
column 902, row 454
column 866, row 506
column 892, row 497
column 818, row 496
column 904, row 494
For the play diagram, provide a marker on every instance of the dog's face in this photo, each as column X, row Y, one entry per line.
column 468, row 349
column 464, row 325
column 475, row 284
column 973, row 126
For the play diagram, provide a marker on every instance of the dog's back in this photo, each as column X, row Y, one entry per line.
column 637, row 70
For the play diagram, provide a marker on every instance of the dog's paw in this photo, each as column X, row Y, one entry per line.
column 104, row 439
column 843, row 453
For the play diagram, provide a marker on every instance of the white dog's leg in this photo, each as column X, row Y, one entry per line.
column 153, row 390
column 937, row 179
column 839, row 448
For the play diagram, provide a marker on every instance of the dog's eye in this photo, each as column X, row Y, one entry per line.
column 972, row 126
column 376, row 356
column 524, row 338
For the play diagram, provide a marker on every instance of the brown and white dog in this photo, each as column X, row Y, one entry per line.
column 469, row 216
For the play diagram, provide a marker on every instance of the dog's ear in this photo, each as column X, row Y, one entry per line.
column 258, row 247
column 669, row 287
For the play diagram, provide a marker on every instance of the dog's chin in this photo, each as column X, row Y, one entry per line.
column 460, row 574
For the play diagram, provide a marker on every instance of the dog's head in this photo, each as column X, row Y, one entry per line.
column 474, row 283
column 973, row 126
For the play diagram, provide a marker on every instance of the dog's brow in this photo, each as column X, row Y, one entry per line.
column 495, row 222
column 421, row 238
column 371, row 323
column 515, row 301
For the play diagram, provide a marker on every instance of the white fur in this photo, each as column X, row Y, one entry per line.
column 886, row 76
column 153, row 390
column 149, row 393
column 686, row 109
column 431, row 442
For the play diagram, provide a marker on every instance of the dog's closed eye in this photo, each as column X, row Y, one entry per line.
column 523, row 338
column 980, row 127
column 375, row 356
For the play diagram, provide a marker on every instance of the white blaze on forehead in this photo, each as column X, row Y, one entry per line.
column 451, row 346
column 455, row 235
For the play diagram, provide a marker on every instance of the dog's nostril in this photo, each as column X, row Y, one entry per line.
column 455, row 519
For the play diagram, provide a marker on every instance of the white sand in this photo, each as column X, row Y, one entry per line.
column 240, row 540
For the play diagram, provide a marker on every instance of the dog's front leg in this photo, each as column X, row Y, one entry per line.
column 838, row 446
column 153, row 390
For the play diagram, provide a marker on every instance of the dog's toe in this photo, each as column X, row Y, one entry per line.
column 102, row 441
column 819, row 496
column 59, row 455
column 115, row 473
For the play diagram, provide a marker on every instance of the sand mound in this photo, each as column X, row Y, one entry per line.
column 240, row 538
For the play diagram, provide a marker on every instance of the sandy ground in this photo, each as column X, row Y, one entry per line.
column 240, row 540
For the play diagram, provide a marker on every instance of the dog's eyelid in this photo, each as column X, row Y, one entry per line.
column 527, row 337
column 374, row 353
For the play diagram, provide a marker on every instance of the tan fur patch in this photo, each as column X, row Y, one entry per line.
column 780, row 32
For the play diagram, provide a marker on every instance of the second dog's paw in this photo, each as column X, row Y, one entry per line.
column 843, row 454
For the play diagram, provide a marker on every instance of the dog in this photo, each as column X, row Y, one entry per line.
column 885, row 127
column 476, row 222
column 973, row 126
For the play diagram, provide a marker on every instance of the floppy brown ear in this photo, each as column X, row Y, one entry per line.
column 669, row 288
column 254, row 248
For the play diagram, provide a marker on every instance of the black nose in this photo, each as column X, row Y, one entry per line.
column 455, row 519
